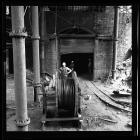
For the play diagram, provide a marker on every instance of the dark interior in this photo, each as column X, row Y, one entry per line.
column 80, row 61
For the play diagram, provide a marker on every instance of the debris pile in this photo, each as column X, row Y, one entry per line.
column 29, row 75
column 123, row 82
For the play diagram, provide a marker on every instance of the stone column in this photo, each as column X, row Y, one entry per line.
column 94, row 58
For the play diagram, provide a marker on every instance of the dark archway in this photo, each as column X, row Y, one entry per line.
column 80, row 58
column 80, row 61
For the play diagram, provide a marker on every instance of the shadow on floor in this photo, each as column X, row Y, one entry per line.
column 86, row 76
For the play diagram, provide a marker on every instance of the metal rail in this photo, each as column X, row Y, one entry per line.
column 116, row 101
column 106, row 99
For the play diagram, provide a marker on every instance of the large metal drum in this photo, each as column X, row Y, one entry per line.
column 66, row 95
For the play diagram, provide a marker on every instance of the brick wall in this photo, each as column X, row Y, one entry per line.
column 99, row 22
column 51, row 57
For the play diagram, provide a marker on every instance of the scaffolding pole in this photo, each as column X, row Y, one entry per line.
column 18, row 35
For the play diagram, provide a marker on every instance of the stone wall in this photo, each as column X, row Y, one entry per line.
column 125, row 35
column 102, row 59
column 100, row 23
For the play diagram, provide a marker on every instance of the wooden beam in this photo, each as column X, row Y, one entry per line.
column 103, row 37
column 59, row 119
column 76, row 35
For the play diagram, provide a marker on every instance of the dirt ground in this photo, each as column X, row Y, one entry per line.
column 93, row 112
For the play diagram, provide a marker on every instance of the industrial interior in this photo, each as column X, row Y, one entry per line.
column 93, row 94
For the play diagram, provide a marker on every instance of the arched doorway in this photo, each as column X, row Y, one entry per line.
column 77, row 44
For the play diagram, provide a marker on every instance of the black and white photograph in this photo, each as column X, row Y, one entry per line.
column 68, row 68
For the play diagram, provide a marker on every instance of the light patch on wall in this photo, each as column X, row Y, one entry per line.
column 7, row 10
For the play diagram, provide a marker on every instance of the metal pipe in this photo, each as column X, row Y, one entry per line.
column 35, row 42
column 57, row 52
column 56, row 40
column 43, row 31
column 116, row 24
column 18, row 39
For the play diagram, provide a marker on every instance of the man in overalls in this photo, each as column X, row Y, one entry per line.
column 65, row 70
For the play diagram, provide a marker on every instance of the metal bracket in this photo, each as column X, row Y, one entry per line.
column 37, row 85
column 35, row 37
column 52, row 36
column 18, row 33
column 22, row 122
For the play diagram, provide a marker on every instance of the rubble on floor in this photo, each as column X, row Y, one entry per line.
column 29, row 75
column 119, row 90
column 123, row 83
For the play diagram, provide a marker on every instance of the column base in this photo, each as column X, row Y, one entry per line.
column 22, row 123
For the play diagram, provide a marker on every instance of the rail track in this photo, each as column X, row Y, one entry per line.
column 123, row 103
column 109, row 101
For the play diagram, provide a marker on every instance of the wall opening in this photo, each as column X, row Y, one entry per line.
column 80, row 61
column 79, row 50
column 11, row 63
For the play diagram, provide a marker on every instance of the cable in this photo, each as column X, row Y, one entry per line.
column 26, row 9
column 66, row 94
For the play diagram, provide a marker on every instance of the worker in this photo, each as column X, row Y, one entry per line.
column 89, row 66
column 65, row 70
column 45, row 81
column 72, row 65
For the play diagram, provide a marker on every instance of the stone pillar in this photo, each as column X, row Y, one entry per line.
column 94, row 58
column 18, row 39
column 36, row 60
column 116, row 24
